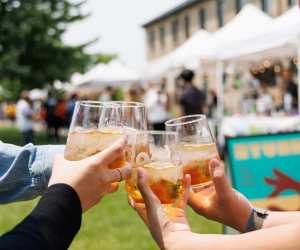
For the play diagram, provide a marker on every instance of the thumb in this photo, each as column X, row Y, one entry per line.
column 149, row 197
column 220, row 181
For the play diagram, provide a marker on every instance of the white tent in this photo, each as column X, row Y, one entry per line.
column 113, row 74
column 198, row 46
column 282, row 34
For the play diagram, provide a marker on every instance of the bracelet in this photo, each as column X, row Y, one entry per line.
column 256, row 219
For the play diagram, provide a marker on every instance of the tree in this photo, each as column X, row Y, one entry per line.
column 32, row 53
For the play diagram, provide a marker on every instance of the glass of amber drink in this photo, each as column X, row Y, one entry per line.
column 196, row 148
column 97, row 125
column 156, row 155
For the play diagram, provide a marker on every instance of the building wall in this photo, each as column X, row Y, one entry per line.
column 277, row 7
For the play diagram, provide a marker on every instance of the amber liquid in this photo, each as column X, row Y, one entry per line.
column 196, row 158
column 164, row 180
column 82, row 144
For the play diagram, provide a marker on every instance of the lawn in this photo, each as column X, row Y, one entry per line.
column 111, row 225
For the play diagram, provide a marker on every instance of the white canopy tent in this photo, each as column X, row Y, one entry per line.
column 250, row 22
column 113, row 74
column 189, row 53
column 281, row 39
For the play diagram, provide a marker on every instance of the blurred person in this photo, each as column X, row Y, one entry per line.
column 49, row 107
column 59, row 117
column 192, row 99
column 25, row 114
column 264, row 102
column 261, row 229
column 134, row 95
column 292, row 88
column 10, row 111
column 74, row 188
column 156, row 102
column 106, row 94
column 212, row 103
column 70, row 106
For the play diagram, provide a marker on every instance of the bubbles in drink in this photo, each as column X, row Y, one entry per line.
column 195, row 160
column 164, row 180
column 82, row 144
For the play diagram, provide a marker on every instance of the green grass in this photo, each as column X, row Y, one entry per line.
column 111, row 225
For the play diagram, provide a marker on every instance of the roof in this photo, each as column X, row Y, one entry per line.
column 172, row 11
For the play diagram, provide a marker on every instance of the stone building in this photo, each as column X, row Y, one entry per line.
column 172, row 28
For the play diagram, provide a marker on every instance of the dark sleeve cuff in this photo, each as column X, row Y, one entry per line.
column 52, row 225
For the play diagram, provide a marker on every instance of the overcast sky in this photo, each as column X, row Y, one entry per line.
column 118, row 24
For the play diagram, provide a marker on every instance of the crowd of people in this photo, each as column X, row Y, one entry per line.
column 258, row 96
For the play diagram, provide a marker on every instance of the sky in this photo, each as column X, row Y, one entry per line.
column 118, row 25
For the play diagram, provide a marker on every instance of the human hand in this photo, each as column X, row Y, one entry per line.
column 221, row 202
column 91, row 178
column 165, row 225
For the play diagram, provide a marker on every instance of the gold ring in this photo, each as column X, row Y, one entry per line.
column 119, row 171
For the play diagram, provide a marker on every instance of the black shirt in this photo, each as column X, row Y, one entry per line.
column 192, row 101
column 51, row 225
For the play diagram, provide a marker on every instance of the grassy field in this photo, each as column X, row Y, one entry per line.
column 111, row 225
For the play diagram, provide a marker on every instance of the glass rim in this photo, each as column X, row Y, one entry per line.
column 125, row 104
column 178, row 121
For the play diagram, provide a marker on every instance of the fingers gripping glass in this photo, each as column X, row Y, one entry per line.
column 155, row 153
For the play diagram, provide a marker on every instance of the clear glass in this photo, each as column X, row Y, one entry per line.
column 195, row 149
column 156, row 153
column 97, row 125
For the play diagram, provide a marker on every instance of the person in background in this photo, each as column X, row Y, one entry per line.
column 156, row 102
column 49, row 107
column 24, row 114
column 291, row 86
column 106, row 94
column 192, row 99
column 261, row 229
column 264, row 103
column 59, row 117
column 70, row 106
column 74, row 188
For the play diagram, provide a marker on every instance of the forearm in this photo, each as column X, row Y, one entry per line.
column 51, row 225
column 281, row 218
column 276, row 238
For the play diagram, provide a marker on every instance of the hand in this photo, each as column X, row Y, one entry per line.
column 221, row 202
column 91, row 178
column 164, row 227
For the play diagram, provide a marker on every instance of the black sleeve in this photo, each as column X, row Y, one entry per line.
column 51, row 225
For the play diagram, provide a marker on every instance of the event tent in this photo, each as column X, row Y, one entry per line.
column 112, row 74
column 198, row 46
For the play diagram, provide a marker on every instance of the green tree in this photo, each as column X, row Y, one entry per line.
column 32, row 53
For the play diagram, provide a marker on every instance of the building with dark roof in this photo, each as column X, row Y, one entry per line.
column 169, row 30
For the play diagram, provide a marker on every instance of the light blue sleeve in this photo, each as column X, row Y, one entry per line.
column 25, row 171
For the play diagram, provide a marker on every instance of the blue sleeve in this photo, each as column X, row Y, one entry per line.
column 25, row 171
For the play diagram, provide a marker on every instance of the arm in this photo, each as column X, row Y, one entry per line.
column 229, row 207
column 173, row 233
column 51, row 225
column 25, row 171
column 276, row 238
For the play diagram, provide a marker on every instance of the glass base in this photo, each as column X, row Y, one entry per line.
column 202, row 186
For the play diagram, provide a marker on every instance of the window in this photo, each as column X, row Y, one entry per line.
column 239, row 5
column 220, row 12
column 265, row 5
column 162, row 37
column 187, row 26
column 202, row 19
column 151, row 39
column 292, row 2
column 175, row 31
